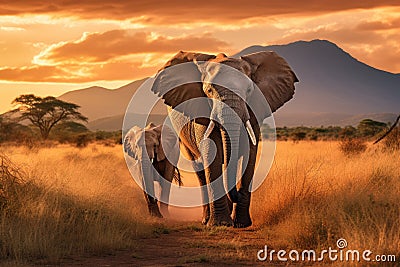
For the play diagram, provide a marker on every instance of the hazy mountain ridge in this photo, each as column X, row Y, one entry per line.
column 328, row 119
column 332, row 81
column 334, row 89
column 115, row 122
column 98, row 102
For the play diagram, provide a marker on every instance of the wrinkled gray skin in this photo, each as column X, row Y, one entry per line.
column 276, row 82
column 144, row 146
column 230, row 118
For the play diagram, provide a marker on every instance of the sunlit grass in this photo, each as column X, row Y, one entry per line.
column 315, row 195
column 71, row 201
column 79, row 201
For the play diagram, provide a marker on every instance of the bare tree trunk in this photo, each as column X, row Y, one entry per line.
column 388, row 132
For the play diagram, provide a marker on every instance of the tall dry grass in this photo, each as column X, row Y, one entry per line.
column 315, row 195
column 68, row 201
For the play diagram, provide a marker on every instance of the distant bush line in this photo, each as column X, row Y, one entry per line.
column 69, row 132
column 79, row 135
column 367, row 130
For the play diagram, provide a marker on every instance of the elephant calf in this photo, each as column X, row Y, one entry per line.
column 157, row 159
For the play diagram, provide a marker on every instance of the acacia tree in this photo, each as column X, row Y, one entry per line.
column 369, row 128
column 46, row 112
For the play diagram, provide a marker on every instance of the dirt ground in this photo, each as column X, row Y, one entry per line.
column 185, row 245
column 184, row 241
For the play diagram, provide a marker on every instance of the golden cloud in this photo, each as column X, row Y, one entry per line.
column 377, row 25
column 33, row 73
column 77, row 73
column 112, row 55
column 178, row 11
column 102, row 47
column 374, row 44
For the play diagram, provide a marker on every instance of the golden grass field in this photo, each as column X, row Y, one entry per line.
column 82, row 201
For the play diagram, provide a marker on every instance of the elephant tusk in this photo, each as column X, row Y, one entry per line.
column 251, row 132
column 152, row 160
column 209, row 130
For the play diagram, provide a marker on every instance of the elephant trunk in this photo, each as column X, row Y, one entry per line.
column 233, row 115
column 230, row 142
column 148, row 179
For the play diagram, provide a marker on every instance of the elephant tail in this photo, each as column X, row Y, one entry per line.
column 177, row 176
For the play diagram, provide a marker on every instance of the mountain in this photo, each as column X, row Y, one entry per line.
column 115, row 122
column 334, row 89
column 98, row 102
column 332, row 81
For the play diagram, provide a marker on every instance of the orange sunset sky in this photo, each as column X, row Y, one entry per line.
column 48, row 48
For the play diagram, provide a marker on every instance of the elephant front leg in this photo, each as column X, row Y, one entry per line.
column 220, row 214
column 148, row 187
column 241, row 214
column 164, row 197
column 165, row 189
column 204, row 194
column 218, row 206
column 167, row 171
column 152, row 206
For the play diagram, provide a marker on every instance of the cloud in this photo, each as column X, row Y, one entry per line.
column 382, row 55
column 371, row 42
column 77, row 73
column 178, row 11
column 113, row 49
column 102, row 47
column 337, row 33
column 112, row 55
column 33, row 73
column 11, row 29
column 376, row 25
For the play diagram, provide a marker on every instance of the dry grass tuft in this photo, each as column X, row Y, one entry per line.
column 315, row 195
column 62, row 201
column 352, row 146
column 392, row 141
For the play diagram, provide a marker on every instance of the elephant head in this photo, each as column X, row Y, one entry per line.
column 149, row 147
column 231, row 84
column 148, row 140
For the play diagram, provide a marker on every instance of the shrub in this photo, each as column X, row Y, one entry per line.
column 51, row 211
column 10, row 182
column 351, row 147
column 298, row 135
column 392, row 141
column 369, row 128
column 82, row 140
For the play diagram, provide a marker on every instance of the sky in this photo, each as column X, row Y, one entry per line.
column 50, row 48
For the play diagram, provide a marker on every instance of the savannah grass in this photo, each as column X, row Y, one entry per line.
column 67, row 201
column 314, row 195
column 64, row 201
column 352, row 146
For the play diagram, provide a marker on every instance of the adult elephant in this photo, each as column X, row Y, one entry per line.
column 148, row 148
column 235, row 103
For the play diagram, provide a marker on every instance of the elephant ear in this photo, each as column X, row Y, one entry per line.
column 169, row 144
column 274, row 77
column 129, row 141
column 182, row 83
